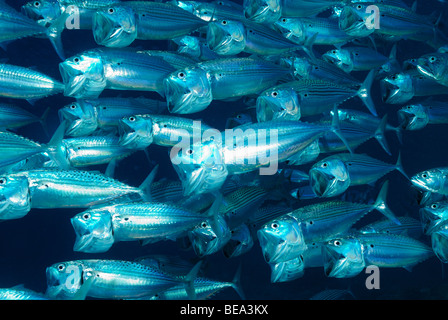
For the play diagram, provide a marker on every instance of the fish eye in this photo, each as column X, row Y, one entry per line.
column 189, row 151
column 224, row 22
column 76, row 60
column 432, row 59
column 324, row 165
column 424, row 175
column 275, row 225
column 434, row 206
column 334, row 51
column 181, row 75
column 274, row 94
column 61, row 267
column 239, row 116
column 2, row 180
column 132, row 119
column 337, row 243
column 111, row 10
column 359, row 7
column 204, row 224
column 86, row 216
column 37, row 4
column 73, row 106
column 284, row 20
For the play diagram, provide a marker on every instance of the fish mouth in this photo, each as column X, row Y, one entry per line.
column 426, row 69
column 352, row 22
column 405, row 119
column 72, row 78
column 333, row 261
column 267, row 109
column 419, row 183
column 111, row 33
column 132, row 139
column 390, row 92
column 221, row 42
column 76, row 126
column 439, row 241
column 429, row 221
column 321, row 183
column 271, row 246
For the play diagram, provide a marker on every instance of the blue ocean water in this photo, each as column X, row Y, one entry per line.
column 43, row 237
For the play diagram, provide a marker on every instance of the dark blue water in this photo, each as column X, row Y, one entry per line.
column 44, row 237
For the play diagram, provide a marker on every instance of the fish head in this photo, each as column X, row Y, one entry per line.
column 115, row 26
column 432, row 180
column 189, row 46
column 278, row 103
column 353, row 20
column 413, row 117
column 288, row 270
column 397, row 88
column 439, row 242
column 65, row 279
column 83, row 75
column 209, row 236
column 15, row 199
column 281, row 239
column 343, row 258
column 205, row 11
column 188, row 90
column 329, row 177
column 200, row 166
column 341, row 58
column 44, row 12
column 241, row 241
column 262, row 11
column 433, row 65
column 226, row 37
column 136, row 132
column 80, row 117
column 432, row 215
column 93, row 229
column 291, row 28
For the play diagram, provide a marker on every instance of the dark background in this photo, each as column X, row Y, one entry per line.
column 44, row 237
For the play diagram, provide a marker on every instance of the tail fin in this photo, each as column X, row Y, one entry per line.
column 236, row 283
column 364, row 92
column 43, row 121
column 54, row 34
column 145, row 187
column 381, row 206
column 399, row 167
column 336, row 129
column 380, row 135
column 189, row 281
column 54, row 147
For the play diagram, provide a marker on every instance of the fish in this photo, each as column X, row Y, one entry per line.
column 56, row 188
column 439, row 242
column 303, row 98
column 20, row 293
column 99, row 228
column 204, row 288
column 408, row 226
column 12, row 117
column 346, row 257
column 434, row 66
column 239, row 243
column 119, row 24
column 110, row 279
column 432, row 180
column 433, row 215
column 286, row 271
column 141, row 130
column 419, row 115
column 400, row 88
column 287, row 237
column 84, row 117
column 192, row 89
column 18, row 82
column 194, row 47
column 88, row 73
column 333, row 175
column 237, row 152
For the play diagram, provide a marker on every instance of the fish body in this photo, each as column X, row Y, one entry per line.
column 23, row 83
column 112, row 279
column 19, row 293
column 87, row 74
column 192, row 89
column 97, row 229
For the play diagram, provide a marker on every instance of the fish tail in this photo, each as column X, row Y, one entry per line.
column 54, row 34
column 380, row 135
column 399, row 166
column 336, row 129
column 189, row 281
column 145, row 187
column 364, row 92
column 381, row 206
column 54, row 147
column 236, row 283
column 43, row 121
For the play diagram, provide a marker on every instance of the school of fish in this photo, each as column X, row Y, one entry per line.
column 277, row 178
